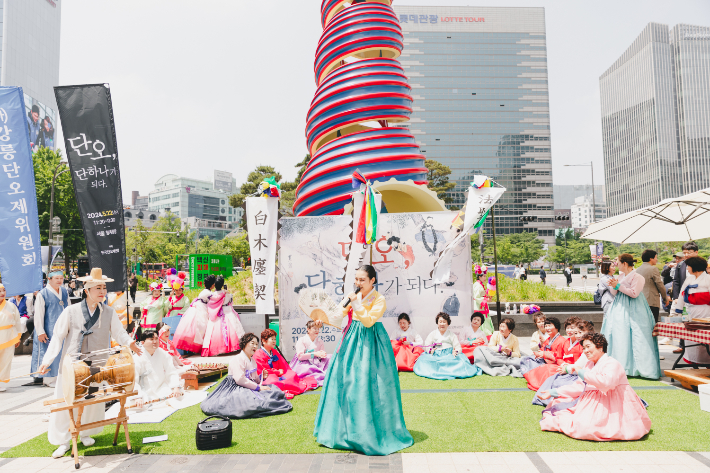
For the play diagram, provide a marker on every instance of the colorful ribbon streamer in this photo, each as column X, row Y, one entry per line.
column 366, row 230
column 270, row 188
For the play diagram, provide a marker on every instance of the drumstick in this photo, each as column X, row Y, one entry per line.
column 21, row 376
column 157, row 400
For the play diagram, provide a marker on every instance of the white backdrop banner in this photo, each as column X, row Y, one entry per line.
column 262, row 220
column 313, row 253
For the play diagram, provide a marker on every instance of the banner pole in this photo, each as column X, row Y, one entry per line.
column 495, row 261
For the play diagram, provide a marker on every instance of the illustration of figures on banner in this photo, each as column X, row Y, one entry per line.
column 20, row 250
column 262, row 222
column 481, row 197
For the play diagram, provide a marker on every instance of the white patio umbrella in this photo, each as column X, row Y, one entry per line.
column 678, row 219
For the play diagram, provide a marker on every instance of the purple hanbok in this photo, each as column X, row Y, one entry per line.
column 305, row 363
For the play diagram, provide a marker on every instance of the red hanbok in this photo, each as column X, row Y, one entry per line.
column 405, row 355
column 289, row 382
column 567, row 352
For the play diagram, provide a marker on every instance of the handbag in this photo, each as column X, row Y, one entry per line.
column 213, row 434
column 598, row 296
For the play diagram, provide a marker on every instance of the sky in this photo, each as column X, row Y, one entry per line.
column 226, row 84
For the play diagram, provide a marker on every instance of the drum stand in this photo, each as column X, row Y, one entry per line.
column 75, row 425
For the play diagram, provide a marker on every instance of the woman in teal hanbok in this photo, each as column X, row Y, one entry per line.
column 628, row 324
column 361, row 407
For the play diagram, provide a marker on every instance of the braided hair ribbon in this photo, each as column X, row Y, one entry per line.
column 366, row 230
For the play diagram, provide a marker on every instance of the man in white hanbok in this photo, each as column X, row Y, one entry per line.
column 157, row 375
column 82, row 328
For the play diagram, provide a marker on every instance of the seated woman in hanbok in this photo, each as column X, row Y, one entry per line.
column 169, row 347
column 406, row 344
column 473, row 336
column 242, row 395
column 549, row 352
column 695, row 297
column 190, row 333
column 223, row 327
column 569, row 352
column 502, row 355
column 629, row 323
column 563, row 375
column 443, row 359
column 310, row 358
column 538, row 339
column 600, row 405
column 274, row 369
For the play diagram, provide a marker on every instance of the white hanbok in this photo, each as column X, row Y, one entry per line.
column 468, row 335
column 410, row 334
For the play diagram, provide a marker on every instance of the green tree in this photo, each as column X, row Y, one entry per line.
column 251, row 185
column 438, row 177
column 527, row 247
column 288, row 188
column 45, row 161
column 160, row 243
column 237, row 247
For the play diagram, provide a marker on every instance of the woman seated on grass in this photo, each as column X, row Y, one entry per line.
column 538, row 339
column 547, row 354
column 568, row 352
column 241, row 394
column 310, row 358
column 272, row 367
column 444, row 360
column 564, row 376
column 406, row 344
column 502, row 355
column 600, row 405
column 473, row 335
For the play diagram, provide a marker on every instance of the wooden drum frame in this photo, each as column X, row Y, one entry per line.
column 118, row 372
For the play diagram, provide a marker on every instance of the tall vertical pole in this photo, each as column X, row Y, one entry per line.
column 495, row 261
column 594, row 212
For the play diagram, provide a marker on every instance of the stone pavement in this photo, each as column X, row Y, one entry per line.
column 530, row 462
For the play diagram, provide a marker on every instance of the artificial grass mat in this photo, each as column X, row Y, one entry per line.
column 494, row 421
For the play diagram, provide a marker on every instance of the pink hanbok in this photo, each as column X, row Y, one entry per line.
column 223, row 327
column 305, row 363
column 190, row 333
column 599, row 406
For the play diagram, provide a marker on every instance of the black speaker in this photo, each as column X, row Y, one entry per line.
column 213, row 434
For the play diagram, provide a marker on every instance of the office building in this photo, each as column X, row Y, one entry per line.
column 581, row 212
column 481, row 104
column 655, row 103
column 30, row 59
column 189, row 197
column 565, row 194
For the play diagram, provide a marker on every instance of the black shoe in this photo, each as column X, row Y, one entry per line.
column 27, row 342
column 38, row 380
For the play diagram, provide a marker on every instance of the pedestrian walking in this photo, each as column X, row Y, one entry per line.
column 568, row 275
column 543, row 275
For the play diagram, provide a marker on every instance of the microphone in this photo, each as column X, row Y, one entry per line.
column 348, row 301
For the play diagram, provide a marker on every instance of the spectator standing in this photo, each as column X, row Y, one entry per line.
column 523, row 273
column 669, row 270
column 133, row 281
column 690, row 250
column 516, row 273
column 568, row 275
column 543, row 275
column 608, row 268
column 653, row 289
column 51, row 302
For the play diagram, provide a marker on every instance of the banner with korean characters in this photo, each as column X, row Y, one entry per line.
column 313, row 252
column 262, row 223
column 86, row 114
column 20, row 246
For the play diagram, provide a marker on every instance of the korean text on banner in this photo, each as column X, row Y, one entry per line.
column 90, row 139
column 478, row 204
column 20, row 256
column 262, row 220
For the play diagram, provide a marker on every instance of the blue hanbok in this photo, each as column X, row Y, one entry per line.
column 45, row 319
column 441, row 364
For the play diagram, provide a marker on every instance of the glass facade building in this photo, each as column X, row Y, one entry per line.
column 481, row 104
column 655, row 103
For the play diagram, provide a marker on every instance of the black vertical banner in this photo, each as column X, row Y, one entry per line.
column 90, row 140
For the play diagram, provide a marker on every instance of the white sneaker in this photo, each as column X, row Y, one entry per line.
column 3, row 389
column 664, row 341
column 662, row 357
column 61, row 451
column 50, row 385
column 88, row 441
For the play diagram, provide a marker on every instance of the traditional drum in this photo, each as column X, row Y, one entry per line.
column 94, row 373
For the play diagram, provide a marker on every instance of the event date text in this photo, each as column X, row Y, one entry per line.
column 105, row 213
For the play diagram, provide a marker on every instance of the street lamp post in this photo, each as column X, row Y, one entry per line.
column 594, row 202
column 52, row 222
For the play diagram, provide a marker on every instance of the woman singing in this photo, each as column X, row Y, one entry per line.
column 361, row 407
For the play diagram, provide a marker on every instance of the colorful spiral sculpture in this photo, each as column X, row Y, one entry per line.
column 360, row 83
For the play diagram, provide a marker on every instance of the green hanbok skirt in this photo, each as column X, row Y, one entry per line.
column 360, row 406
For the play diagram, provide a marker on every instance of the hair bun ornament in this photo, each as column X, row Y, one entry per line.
column 173, row 271
column 480, row 269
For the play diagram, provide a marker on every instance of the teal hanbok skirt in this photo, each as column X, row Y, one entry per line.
column 628, row 327
column 361, row 406
column 442, row 365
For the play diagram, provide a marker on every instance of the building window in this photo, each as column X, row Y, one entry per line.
column 152, row 216
column 223, row 211
column 128, row 215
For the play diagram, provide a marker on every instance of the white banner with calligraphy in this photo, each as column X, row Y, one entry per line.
column 313, row 253
column 479, row 202
column 262, row 214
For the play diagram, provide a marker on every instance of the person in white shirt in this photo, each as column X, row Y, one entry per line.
column 443, row 359
column 406, row 332
column 157, row 376
column 406, row 344
column 695, row 297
